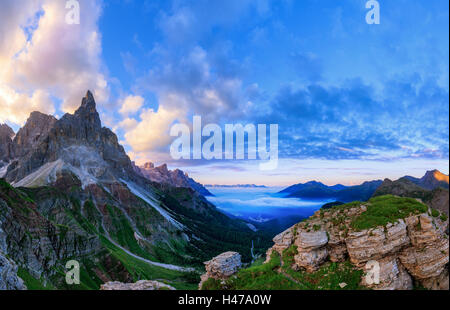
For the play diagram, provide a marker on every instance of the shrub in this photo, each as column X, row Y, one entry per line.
column 435, row 213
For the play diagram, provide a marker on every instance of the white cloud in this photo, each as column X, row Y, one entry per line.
column 152, row 132
column 128, row 124
column 41, row 54
column 131, row 104
column 16, row 108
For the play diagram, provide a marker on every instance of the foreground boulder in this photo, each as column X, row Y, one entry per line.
column 142, row 285
column 221, row 267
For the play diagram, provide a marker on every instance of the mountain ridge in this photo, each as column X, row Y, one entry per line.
column 75, row 191
column 318, row 190
column 432, row 180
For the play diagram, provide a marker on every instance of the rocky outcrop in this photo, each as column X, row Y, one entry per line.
column 282, row 242
column 377, row 243
column 408, row 250
column 142, row 285
column 222, row 267
column 311, row 249
column 392, row 275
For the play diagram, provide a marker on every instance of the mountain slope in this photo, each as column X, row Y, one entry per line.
column 78, row 196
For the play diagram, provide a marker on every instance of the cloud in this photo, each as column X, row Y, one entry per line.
column 47, row 55
column 10, row 100
column 131, row 104
column 151, row 135
column 354, row 121
column 193, row 83
column 128, row 124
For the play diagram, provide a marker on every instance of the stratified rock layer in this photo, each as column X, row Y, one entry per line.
column 415, row 248
column 222, row 267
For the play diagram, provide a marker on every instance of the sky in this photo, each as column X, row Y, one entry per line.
column 353, row 101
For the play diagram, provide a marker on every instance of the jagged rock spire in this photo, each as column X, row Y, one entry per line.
column 87, row 112
column 88, row 100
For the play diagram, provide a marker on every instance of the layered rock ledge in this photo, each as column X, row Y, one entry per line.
column 410, row 251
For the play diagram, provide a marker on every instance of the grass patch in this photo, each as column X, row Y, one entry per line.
column 32, row 283
column 435, row 213
column 278, row 274
column 144, row 271
column 387, row 209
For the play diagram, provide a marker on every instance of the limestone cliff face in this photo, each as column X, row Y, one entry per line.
column 35, row 130
column 414, row 249
column 8, row 268
column 34, row 241
column 6, row 151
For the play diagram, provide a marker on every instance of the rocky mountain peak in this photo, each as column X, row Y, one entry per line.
column 88, row 100
column 6, row 131
column 436, row 174
column 36, row 128
column 433, row 179
column 87, row 112
column 163, row 168
column 148, row 165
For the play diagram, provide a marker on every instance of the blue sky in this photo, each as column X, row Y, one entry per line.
column 353, row 101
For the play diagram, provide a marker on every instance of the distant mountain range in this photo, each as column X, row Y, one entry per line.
column 405, row 186
column 235, row 186
column 317, row 190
